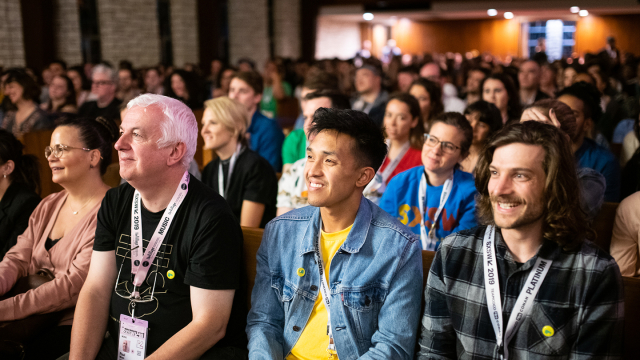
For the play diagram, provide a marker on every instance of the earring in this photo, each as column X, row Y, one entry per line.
column 90, row 166
column 4, row 176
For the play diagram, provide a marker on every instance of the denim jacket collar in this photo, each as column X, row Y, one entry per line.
column 356, row 237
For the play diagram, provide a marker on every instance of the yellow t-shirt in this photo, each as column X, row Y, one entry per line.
column 313, row 342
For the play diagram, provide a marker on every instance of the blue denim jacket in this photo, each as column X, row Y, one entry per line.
column 375, row 284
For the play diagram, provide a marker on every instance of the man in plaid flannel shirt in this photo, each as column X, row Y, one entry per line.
column 528, row 193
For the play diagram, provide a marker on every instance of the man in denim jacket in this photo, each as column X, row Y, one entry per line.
column 373, row 262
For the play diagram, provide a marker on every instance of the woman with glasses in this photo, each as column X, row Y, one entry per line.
column 19, row 181
column 60, row 234
column 437, row 198
column 405, row 135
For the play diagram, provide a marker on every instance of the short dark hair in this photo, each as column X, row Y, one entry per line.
column 30, row 89
column 488, row 113
column 416, row 135
column 370, row 148
column 60, row 62
column 98, row 133
column 564, row 220
column 459, row 122
column 590, row 97
column 252, row 78
column 485, row 71
column 409, row 69
column 338, row 100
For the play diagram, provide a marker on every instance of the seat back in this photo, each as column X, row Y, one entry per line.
column 603, row 225
column 252, row 240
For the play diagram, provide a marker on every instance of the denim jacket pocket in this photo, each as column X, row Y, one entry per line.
column 363, row 306
column 552, row 330
column 284, row 290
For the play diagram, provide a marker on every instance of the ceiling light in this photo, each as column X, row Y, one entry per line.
column 583, row 13
column 508, row 15
column 367, row 16
column 492, row 12
column 574, row 9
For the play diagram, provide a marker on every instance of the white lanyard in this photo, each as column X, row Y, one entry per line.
column 393, row 164
column 222, row 190
column 324, row 288
column 140, row 263
column 428, row 239
column 523, row 304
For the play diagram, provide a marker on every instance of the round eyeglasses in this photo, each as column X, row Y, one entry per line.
column 59, row 149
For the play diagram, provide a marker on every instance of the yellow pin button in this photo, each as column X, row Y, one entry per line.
column 300, row 272
column 171, row 274
column 548, row 331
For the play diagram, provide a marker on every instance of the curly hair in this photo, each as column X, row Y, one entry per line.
column 563, row 220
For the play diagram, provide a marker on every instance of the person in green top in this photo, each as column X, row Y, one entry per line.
column 274, row 89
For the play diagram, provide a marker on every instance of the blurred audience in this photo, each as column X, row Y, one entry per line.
column 24, row 115
column 104, row 80
column 485, row 120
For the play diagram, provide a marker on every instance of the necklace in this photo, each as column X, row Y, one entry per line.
column 85, row 204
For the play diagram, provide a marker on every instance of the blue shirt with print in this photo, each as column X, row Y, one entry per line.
column 400, row 199
column 266, row 139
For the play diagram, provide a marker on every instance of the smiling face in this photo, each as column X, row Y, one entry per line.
column 138, row 152
column 516, row 185
column 14, row 91
column 215, row 134
column 332, row 171
column 397, row 121
column 494, row 92
column 433, row 158
column 74, row 164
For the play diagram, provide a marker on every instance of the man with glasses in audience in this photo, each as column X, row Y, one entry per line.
column 104, row 83
column 166, row 271
column 525, row 285
column 340, row 278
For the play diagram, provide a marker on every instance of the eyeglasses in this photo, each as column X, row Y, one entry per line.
column 59, row 149
column 129, row 295
column 447, row 147
column 101, row 83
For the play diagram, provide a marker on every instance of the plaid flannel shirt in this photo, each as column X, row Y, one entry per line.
column 581, row 298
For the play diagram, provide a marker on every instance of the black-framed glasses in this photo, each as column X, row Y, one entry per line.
column 125, row 293
column 446, row 146
column 59, row 149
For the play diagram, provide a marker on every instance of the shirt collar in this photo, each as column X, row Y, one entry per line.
column 356, row 237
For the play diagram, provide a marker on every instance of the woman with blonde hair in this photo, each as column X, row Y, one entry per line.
column 240, row 175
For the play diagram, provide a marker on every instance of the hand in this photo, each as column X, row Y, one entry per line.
column 536, row 115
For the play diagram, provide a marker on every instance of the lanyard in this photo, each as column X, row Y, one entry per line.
column 522, row 307
column 378, row 184
column 393, row 164
column 324, row 288
column 428, row 240
column 222, row 190
column 145, row 260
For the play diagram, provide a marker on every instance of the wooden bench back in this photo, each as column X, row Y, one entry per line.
column 603, row 225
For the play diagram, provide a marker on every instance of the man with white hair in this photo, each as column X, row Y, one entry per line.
column 104, row 82
column 166, row 270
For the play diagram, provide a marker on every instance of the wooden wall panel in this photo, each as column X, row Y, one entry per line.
column 592, row 31
column 500, row 37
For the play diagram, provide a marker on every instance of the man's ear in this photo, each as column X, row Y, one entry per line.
column 366, row 175
column 178, row 151
column 588, row 127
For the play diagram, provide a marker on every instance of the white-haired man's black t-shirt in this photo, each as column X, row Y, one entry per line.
column 203, row 248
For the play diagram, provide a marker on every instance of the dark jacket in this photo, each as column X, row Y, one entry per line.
column 16, row 207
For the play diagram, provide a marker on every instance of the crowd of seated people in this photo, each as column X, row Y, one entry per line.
column 461, row 159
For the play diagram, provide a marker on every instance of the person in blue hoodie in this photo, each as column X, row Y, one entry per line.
column 436, row 199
